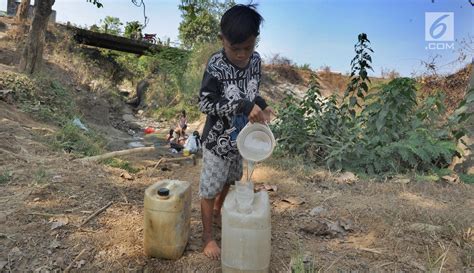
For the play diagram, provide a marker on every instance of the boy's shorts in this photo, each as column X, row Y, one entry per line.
column 216, row 172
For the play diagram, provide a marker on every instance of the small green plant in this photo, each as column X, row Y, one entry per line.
column 121, row 164
column 443, row 172
column 358, row 86
column 299, row 265
column 72, row 139
column 306, row 67
column 426, row 178
column 5, row 177
column 40, row 176
column 302, row 262
column 50, row 101
column 467, row 178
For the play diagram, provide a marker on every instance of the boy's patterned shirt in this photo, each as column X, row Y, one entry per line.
column 228, row 94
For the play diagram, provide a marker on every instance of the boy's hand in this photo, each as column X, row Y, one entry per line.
column 267, row 113
column 257, row 115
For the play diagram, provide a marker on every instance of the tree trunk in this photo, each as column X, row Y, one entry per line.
column 32, row 56
column 22, row 12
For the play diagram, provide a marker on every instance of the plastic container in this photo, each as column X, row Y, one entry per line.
column 256, row 142
column 246, row 236
column 167, row 218
column 244, row 196
column 149, row 130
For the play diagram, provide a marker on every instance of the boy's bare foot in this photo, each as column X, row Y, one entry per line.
column 212, row 250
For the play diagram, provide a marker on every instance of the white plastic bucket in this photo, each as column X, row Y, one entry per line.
column 256, row 142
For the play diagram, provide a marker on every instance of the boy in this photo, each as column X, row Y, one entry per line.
column 229, row 96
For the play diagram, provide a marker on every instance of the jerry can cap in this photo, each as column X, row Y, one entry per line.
column 163, row 192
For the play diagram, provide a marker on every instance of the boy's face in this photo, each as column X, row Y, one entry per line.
column 239, row 54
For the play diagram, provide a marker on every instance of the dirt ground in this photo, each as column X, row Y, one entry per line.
column 344, row 224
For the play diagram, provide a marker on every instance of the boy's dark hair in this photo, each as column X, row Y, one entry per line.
column 183, row 113
column 240, row 22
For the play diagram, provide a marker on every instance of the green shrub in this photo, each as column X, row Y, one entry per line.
column 41, row 176
column 5, row 177
column 390, row 130
column 50, row 102
column 179, row 83
column 72, row 139
column 121, row 164
column 467, row 178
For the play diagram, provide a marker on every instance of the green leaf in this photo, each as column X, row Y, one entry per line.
column 464, row 117
column 352, row 112
column 352, row 101
column 470, row 97
column 381, row 118
column 460, row 110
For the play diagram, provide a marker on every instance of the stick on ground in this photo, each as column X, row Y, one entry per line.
column 156, row 165
column 140, row 150
column 68, row 268
column 96, row 213
column 46, row 214
column 167, row 160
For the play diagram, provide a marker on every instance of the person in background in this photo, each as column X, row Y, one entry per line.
column 182, row 124
column 193, row 143
column 170, row 136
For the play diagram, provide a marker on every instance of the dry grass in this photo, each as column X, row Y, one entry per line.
column 454, row 86
column 380, row 213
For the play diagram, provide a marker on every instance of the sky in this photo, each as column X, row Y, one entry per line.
column 323, row 32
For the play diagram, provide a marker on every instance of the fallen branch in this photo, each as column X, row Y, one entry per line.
column 384, row 264
column 39, row 129
column 96, row 213
column 176, row 159
column 370, row 250
column 173, row 159
column 156, row 165
column 120, row 153
column 45, row 214
column 68, row 268
column 86, row 230
column 4, row 92
column 9, row 237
